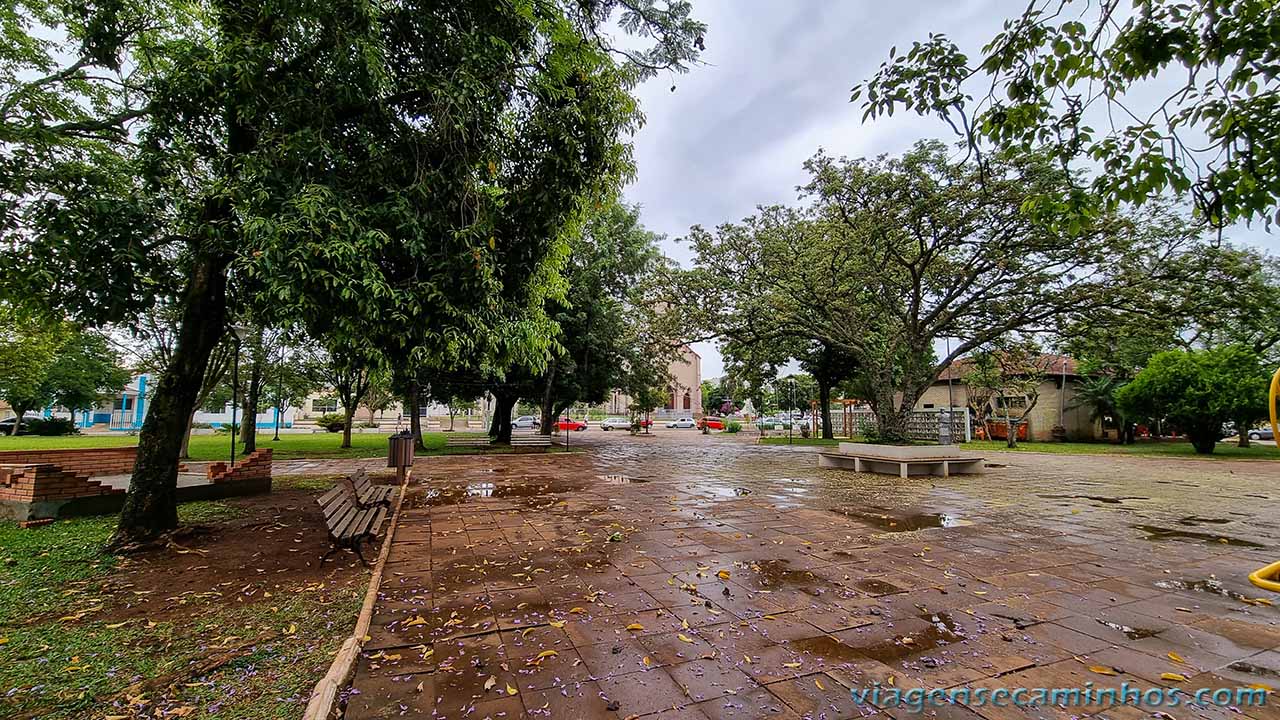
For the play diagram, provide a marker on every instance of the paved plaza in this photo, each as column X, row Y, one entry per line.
column 686, row 576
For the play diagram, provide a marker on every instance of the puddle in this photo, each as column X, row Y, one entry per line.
column 827, row 648
column 877, row 587
column 1157, row 534
column 1129, row 632
column 942, row 631
column 774, row 575
column 1211, row 585
column 1245, row 666
column 622, row 480
column 1108, row 499
column 906, row 523
column 1193, row 520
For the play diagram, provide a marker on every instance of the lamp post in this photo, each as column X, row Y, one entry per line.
column 237, row 331
column 790, row 406
column 279, row 393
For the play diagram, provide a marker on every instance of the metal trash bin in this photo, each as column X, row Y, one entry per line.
column 400, row 450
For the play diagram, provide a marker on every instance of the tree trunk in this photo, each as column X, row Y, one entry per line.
column 500, row 431
column 824, row 401
column 548, row 412
column 249, row 411
column 1203, row 441
column 185, row 453
column 19, row 412
column 350, row 413
column 1242, row 429
column 410, row 402
column 151, row 507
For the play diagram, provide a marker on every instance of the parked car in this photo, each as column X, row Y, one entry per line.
column 567, row 424
column 684, row 422
column 774, row 423
column 6, row 425
column 1262, row 434
column 615, row 423
column 526, row 421
column 713, row 423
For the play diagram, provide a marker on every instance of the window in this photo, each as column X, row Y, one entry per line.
column 324, row 405
column 928, row 406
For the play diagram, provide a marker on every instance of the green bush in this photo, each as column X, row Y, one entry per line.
column 732, row 426
column 50, row 426
column 333, row 422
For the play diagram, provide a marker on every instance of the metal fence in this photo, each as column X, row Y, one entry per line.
column 925, row 425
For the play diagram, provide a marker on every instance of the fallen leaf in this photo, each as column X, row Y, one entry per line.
column 791, row 665
column 488, row 684
column 577, row 610
column 1102, row 670
column 511, row 690
column 1176, row 677
column 684, row 638
column 1176, row 657
column 415, row 621
column 635, row 626
column 818, row 682
column 556, row 623
column 546, row 654
column 723, row 574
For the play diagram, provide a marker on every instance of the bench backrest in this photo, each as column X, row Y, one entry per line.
column 360, row 481
column 337, row 505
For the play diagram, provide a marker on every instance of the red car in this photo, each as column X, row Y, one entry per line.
column 567, row 424
column 714, row 423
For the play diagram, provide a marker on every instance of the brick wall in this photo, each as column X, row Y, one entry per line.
column 255, row 467
column 82, row 461
column 43, row 482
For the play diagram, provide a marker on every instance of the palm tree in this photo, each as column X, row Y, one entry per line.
column 1098, row 394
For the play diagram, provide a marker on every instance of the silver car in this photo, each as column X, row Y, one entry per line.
column 685, row 422
column 615, row 423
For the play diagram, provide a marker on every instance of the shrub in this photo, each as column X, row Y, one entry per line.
column 50, row 426
column 333, row 422
column 732, row 426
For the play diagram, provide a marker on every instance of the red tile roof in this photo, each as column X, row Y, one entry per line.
column 1051, row 362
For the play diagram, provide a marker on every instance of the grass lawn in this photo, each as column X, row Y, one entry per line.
column 1258, row 450
column 87, row 634
column 1225, row 450
column 218, row 447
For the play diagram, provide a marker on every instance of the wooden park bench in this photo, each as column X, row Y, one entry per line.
column 467, row 441
column 367, row 494
column 532, row 440
column 347, row 522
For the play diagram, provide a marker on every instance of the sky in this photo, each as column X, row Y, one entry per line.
column 774, row 89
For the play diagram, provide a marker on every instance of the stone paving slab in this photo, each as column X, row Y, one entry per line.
column 695, row 578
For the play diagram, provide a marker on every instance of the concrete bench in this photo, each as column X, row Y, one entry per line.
column 537, row 440
column 902, row 460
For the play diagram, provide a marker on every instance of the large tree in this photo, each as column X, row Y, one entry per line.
column 44, row 363
column 894, row 253
column 1154, row 95
column 1198, row 391
column 396, row 175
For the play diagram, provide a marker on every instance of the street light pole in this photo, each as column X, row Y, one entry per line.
column 791, row 406
column 279, row 393
column 235, row 398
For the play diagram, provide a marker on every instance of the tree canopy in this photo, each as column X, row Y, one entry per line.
column 1163, row 95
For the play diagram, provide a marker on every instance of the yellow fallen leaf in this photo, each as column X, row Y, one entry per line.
column 890, row 681
column 415, row 621
column 818, row 682
column 635, row 626
column 577, row 610
column 723, row 574
column 747, row 658
column 1260, row 686
column 293, row 630
column 511, row 690
column 684, row 638
column 1102, row 670
column 1176, row 657
column 791, row 665
column 1176, row 677
column 546, row 654
column 113, row 626
column 647, row 662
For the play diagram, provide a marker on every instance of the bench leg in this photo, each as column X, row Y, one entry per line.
column 356, row 546
column 857, row 465
column 946, row 469
column 333, row 548
column 902, row 470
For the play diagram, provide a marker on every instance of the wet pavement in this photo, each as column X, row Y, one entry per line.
column 686, row 576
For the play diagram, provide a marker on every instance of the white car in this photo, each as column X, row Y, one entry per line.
column 615, row 423
column 682, row 423
column 525, row 421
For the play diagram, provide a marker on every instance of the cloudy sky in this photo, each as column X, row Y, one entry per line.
column 775, row 88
